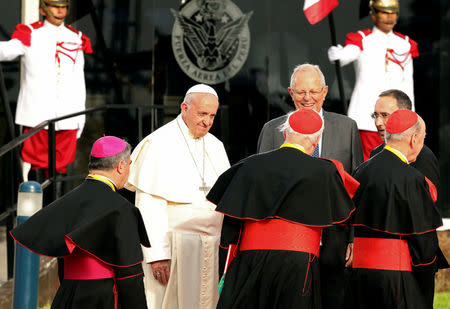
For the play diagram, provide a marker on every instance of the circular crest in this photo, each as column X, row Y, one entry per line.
column 211, row 40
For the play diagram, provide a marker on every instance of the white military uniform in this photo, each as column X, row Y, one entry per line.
column 182, row 225
column 53, row 82
column 382, row 61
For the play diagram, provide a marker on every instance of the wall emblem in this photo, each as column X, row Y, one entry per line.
column 211, row 40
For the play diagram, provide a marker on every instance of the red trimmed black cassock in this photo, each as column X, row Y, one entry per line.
column 426, row 163
column 395, row 234
column 275, row 206
column 96, row 234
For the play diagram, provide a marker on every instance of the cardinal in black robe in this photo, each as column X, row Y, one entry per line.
column 96, row 235
column 426, row 162
column 276, row 205
column 395, row 222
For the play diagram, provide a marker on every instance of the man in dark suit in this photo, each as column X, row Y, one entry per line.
column 339, row 141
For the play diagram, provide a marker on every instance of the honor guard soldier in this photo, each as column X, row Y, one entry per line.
column 53, row 83
column 383, row 60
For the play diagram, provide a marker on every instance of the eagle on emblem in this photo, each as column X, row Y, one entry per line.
column 211, row 42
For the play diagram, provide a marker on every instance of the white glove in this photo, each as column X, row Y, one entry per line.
column 345, row 54
column 335, row 52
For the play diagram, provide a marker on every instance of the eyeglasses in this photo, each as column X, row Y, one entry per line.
column 314, row 93
column 382, row 115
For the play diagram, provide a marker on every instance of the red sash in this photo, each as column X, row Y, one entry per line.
column 80, row 265
column 83, row 266
column 381, row 253
column 276, row 234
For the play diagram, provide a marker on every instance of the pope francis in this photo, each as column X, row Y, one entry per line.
column 172, row 171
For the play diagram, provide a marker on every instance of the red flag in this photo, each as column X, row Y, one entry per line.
column 316, row 10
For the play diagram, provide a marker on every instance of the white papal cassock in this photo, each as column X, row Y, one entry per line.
column 182, row 225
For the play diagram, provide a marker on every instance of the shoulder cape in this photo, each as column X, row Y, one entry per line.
column 91, row 217
column 394, row 197
column 284, row 183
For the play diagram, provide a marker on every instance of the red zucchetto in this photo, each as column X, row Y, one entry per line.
column 107, row 146
column 305, row 121
column 401, row 120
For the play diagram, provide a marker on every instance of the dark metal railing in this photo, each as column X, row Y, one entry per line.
column 9, row 215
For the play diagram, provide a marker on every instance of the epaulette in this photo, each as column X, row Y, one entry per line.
column 23, row 32
column 355, row 38
column 37, row 25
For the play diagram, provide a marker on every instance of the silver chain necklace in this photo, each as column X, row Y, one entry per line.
column 203, row 187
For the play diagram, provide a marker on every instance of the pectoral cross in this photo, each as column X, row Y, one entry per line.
column 204, row 188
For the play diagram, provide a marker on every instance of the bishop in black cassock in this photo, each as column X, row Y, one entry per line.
column 95, row 233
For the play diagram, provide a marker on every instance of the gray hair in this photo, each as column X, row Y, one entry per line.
column 307, row 66
column 188, row 99
column 403, row 100
column 108, row 163
column 286, row 127
column 395, row 137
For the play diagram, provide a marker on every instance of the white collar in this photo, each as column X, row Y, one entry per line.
column 376, row 30
column 48, row 24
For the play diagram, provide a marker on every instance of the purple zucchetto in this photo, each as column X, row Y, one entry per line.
column 107, row 146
